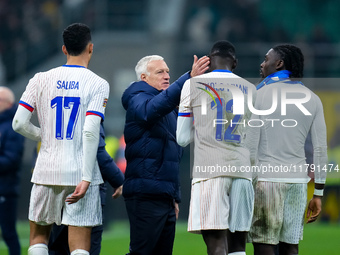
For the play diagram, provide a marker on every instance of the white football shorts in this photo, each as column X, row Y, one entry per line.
column 48, row 206
column 241, row 205
column 216, row 205
column 279, row 212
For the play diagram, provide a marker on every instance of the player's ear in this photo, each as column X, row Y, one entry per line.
column 90, row 48
column 235, row 64
column 63, row 48
column 280, row 64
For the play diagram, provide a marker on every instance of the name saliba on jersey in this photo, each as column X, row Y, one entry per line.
column 67, row 84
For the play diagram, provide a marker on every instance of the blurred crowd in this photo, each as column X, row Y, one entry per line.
column 30, row 29
column 256, row 21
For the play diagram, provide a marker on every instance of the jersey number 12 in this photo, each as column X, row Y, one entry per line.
column 229, row 134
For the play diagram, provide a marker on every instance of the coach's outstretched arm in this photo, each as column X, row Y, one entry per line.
column 185, row 121
column 22, row 124
column 149, row 107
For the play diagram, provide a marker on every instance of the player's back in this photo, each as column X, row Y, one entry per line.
column 62, row 97
column 219, row 133
column 284, row 131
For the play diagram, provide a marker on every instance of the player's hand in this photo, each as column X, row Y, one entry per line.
column 314, row 209
column 78, row 193
column 176, row 210
column 118, row 192
column 200, row 66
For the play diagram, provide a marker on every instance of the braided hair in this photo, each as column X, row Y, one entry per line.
column 292, row 57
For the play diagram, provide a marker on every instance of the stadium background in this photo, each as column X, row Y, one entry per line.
column 126, row 30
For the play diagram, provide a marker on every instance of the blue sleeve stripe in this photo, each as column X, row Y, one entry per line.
column 95, row 113
column 185, row 114
column 26, row 105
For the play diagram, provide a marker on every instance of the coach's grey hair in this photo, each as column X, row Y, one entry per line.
column 142, row 65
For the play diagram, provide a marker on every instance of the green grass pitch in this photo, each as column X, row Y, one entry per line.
column 318, row 239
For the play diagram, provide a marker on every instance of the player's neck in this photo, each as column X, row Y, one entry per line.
column 77, row 60
column 223, row 67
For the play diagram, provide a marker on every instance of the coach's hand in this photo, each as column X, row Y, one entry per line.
column 200, row 66
column 176, row 210
column 314, row 207
column 78, row 193
column 118, row 192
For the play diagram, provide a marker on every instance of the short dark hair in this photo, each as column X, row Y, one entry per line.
column 292, row 57
column 223, row 49
column 76, row 37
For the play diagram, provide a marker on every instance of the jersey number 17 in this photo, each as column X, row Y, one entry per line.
column 61, row 103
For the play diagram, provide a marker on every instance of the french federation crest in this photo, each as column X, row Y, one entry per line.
column 105, row 102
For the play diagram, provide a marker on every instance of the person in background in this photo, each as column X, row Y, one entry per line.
column 120, row 155
column 115, row 147
column 11, row 152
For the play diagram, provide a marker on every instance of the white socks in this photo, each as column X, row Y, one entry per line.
column 238, row 253
column 38, row 249
column 80, row 252
column 42, row 249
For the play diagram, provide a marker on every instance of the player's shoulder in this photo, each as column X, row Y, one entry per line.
column 42, row 77
column 193, row 80
column 83, row 72
column 215, row 77
column 46, row 73
column 265, row 92
column 95, row 76
column 315, row 97
column 206, row 77
column 243, row 80
column 197, row 79
column 314, row 102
